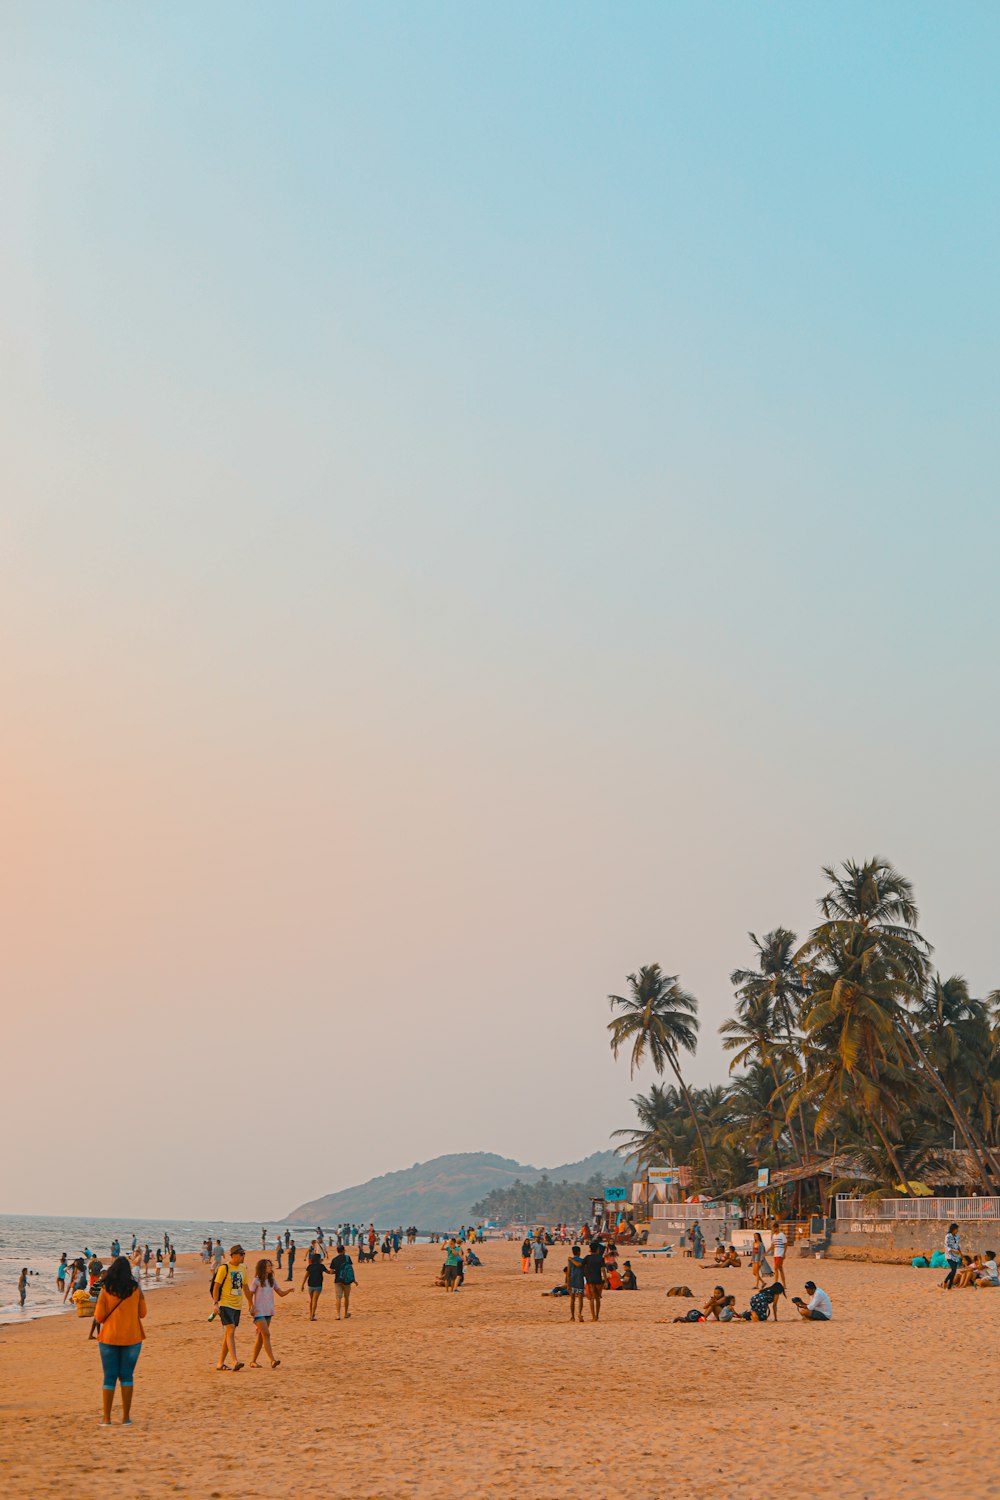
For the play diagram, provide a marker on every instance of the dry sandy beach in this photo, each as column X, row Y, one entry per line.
column 493, row 1391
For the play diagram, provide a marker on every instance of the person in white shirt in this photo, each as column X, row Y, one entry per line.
column 989, row 1275
column 778, row 1246
column 819, row 1308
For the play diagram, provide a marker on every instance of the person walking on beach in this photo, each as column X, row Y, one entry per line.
column 227, row 1292
column 757, row 1260
column 263, row 1239
column 538, row 1252
column 315, row 1271
column 697, row 1241
column 159, row 1262
column 120, row 1310
column 261, row 1294
column 525, row 1255
column 217, row 1253
column 953, row 1255
column 290, row 1248
column 61, row 1273
column 147, row 1256
column 342, row 1268
column 279, row 1249
column 172, row 1257
column 779, row 1244
column 22, row 1285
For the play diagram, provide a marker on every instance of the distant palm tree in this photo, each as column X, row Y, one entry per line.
column 777, row 980
column 658, row 1018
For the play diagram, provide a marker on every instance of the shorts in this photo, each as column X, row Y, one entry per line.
column 118, row 1361
column 343, row 1290
column 594, row 1288
column 779, row 1260
column 262, row 1317
column 818, row 1317
column 230, row 1316
column 576, row 1291
column 314, row 1290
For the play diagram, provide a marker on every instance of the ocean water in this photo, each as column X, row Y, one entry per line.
column 39, row 1242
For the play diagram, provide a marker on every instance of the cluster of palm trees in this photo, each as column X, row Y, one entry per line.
column 847, row 1044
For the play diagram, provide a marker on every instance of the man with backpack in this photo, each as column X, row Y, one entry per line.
column 228, row 1287
column 343, row 1279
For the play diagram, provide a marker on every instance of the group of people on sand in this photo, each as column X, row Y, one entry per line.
column 967, row 1270
column 721, row 1306
column 587, row 1277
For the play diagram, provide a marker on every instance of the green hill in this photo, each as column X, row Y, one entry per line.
column 439, row 1194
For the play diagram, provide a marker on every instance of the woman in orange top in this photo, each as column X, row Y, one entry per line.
column 120, row 1308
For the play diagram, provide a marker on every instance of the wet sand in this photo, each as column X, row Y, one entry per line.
column 492, row 1391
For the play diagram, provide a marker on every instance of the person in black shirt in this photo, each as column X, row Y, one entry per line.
column 594, row 1278
column 315, row 1271
column 629, row 1283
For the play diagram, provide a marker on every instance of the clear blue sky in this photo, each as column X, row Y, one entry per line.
column 493, row 496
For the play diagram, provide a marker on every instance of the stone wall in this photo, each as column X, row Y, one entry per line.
column 902, row 1239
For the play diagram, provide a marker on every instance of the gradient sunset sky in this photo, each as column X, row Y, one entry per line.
column 492, row 496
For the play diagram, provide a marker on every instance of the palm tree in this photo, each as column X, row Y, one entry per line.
column 852, row 1023
column 776, row 984
column 874, row 901
column 659, row 1018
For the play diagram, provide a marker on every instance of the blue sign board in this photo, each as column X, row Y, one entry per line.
column 614, row 1195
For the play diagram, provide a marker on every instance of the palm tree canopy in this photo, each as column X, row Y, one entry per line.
column 656, row 1017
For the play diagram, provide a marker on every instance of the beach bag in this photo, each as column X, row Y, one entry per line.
column 346, row 1277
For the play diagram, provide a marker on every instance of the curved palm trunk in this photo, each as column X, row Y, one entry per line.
column 694, row 1118
column 976, row 1148
column 787, row 1018
column 890, row 1151
column 777, row 1144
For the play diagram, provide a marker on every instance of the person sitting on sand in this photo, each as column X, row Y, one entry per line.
column 629, row 1283
column 721, row 1254
column 727, row 1310
column 765, row 1301
column 714, row 1302
column 989, row 1275
column 732, row 1259
column 970, row 1269
column 819, row 1308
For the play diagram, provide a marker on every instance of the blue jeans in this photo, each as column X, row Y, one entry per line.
column 119, row 1363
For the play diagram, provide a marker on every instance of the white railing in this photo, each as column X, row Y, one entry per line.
column 959, row 1209
column 686, row 1213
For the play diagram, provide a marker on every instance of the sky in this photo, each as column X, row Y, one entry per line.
column 492, row 496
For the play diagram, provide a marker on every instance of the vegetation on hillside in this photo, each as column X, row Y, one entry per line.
column 848, row 1041
column 544, row 1201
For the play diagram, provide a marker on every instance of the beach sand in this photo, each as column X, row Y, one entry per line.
column 492, row 1391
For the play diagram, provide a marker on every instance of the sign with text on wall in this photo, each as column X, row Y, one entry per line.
column 614, row 1195
column 664, row 1174
column 763, row 1176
